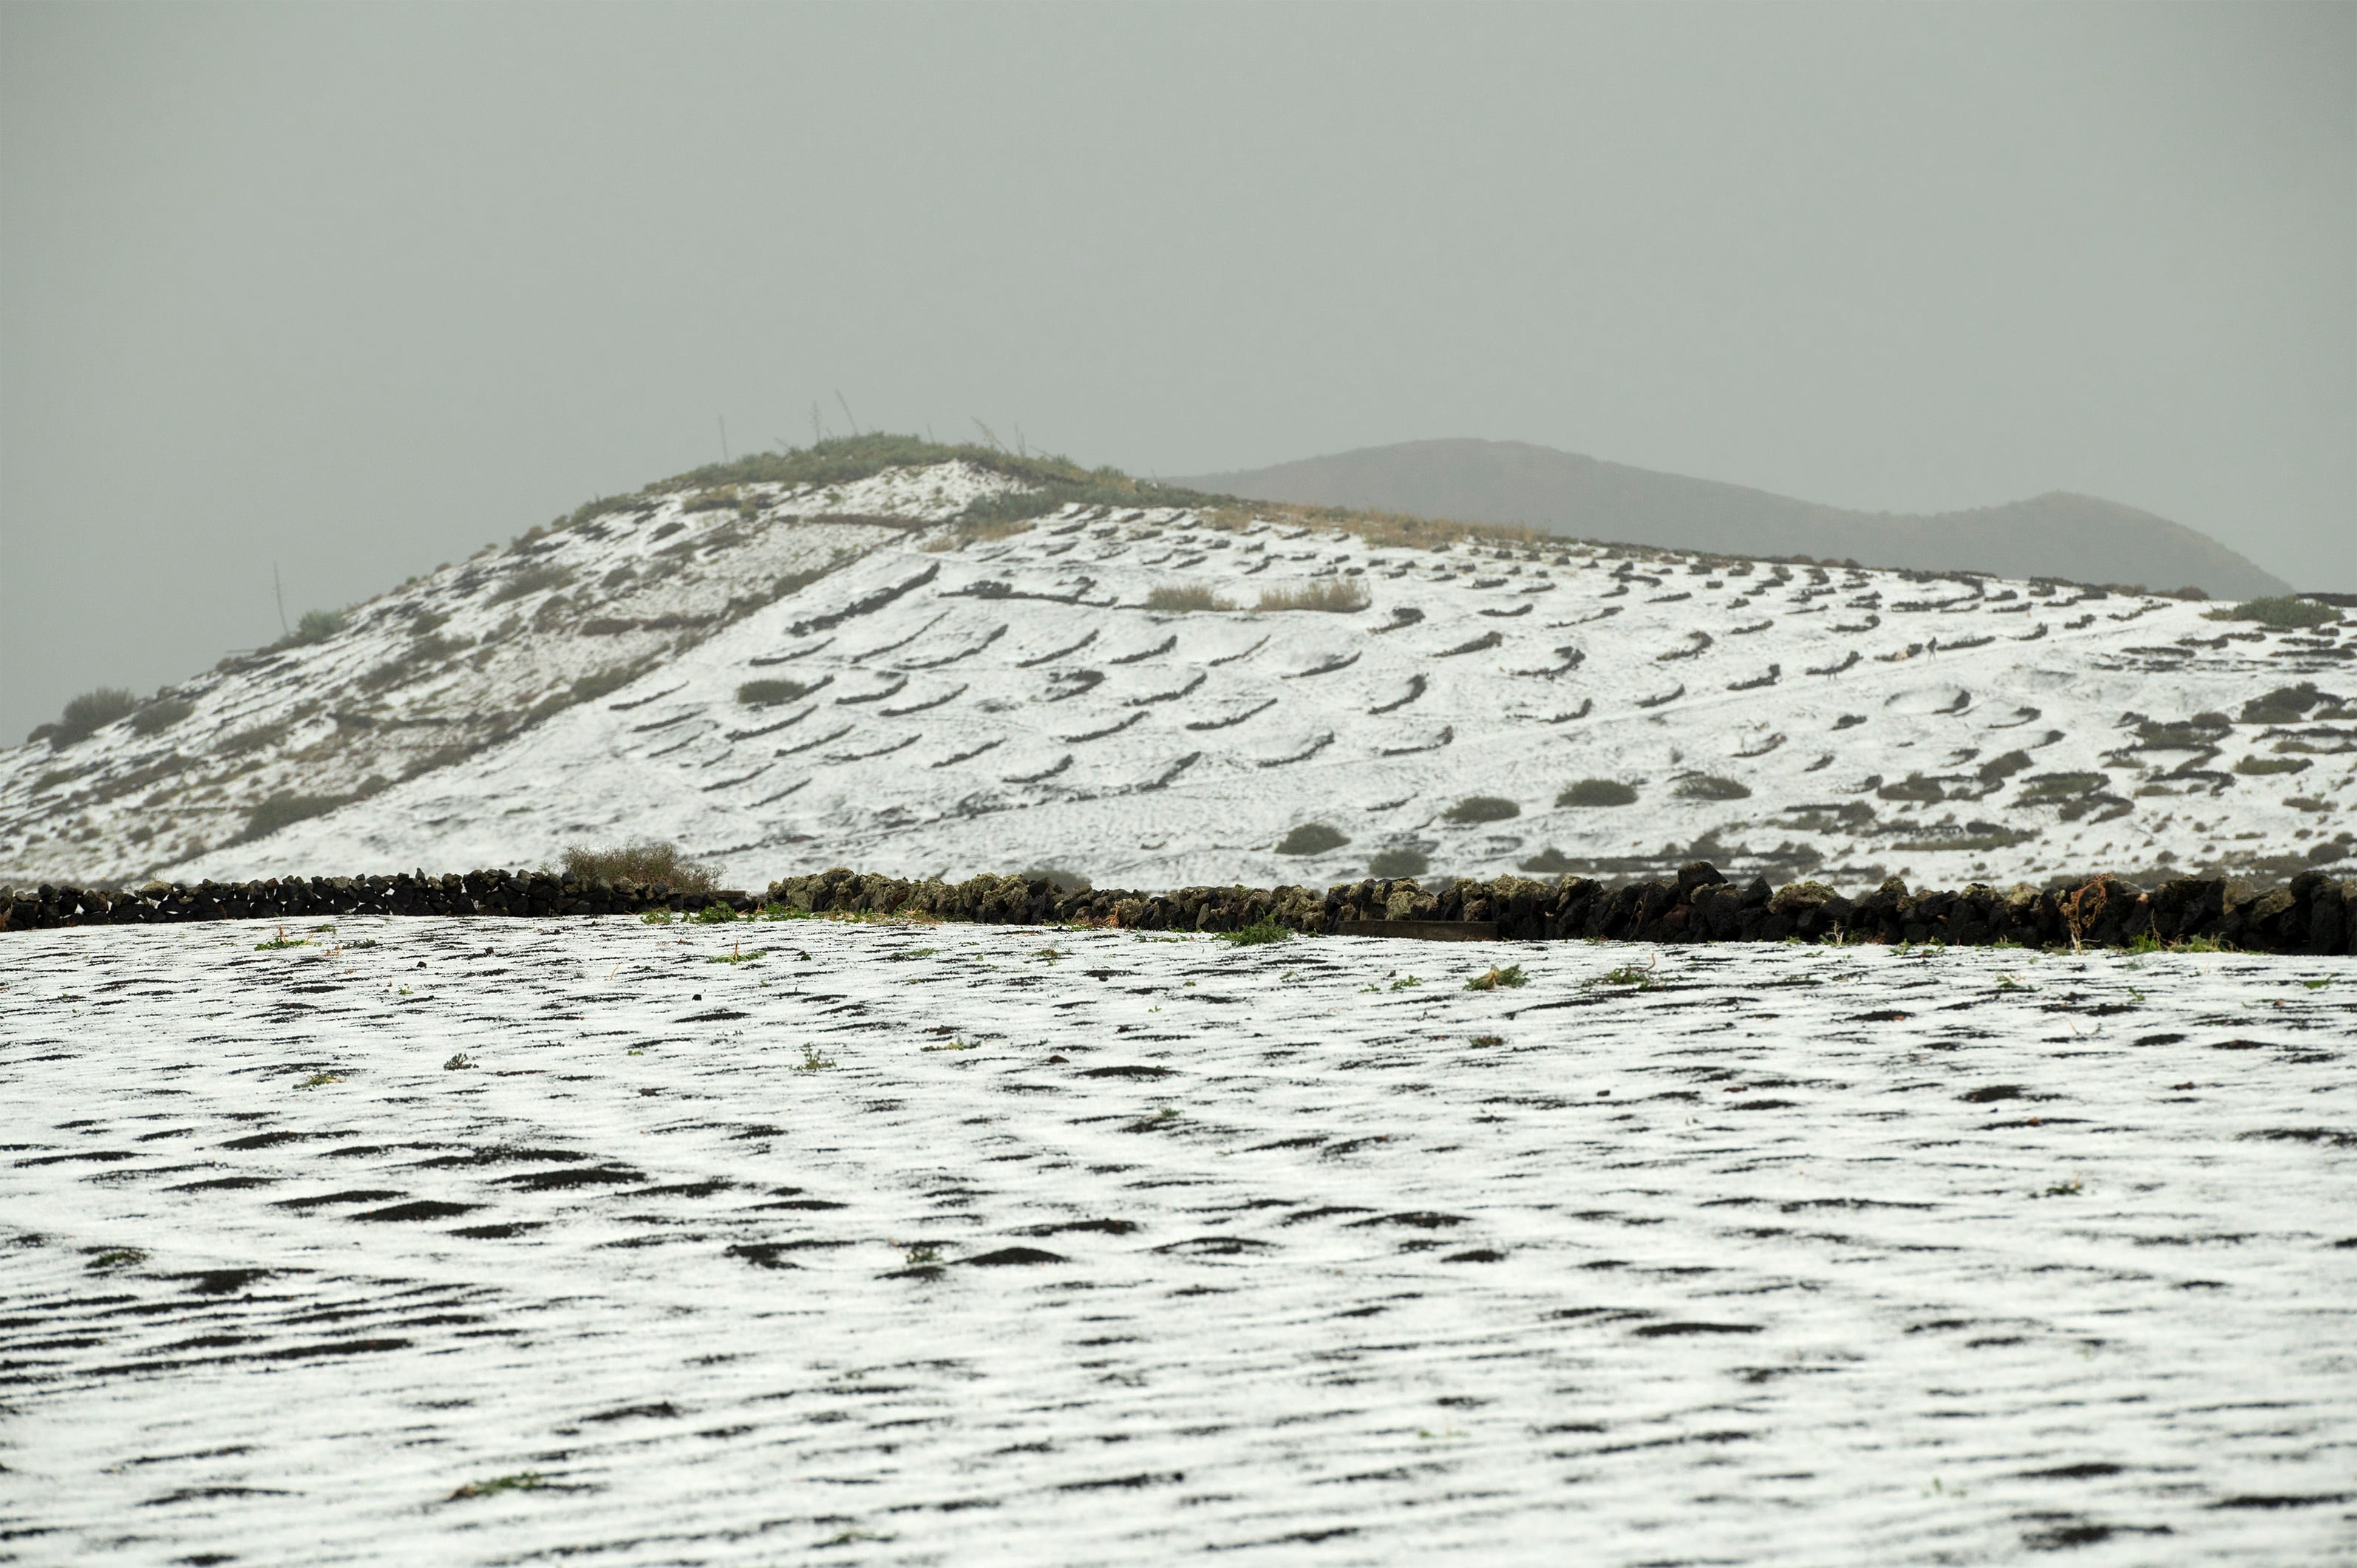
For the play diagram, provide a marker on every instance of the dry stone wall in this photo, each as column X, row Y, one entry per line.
column 2313, row 915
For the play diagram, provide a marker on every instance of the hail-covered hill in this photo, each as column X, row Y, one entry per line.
column 923, row 662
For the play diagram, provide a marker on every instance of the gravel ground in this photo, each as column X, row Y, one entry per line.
column 457, row 1241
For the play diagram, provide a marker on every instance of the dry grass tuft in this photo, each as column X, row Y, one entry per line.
column 1189, row 596
column 647, row 861
column 1341, row 595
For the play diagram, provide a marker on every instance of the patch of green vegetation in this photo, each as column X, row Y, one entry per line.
column 1482, row 809
column 1914, row 787
column 1311, row 838
column 769, row 693
column 320, row 1080
column 958, row 1045
column 255, row 739
column 739, row 955
column 1510, row 976
column 1185, row 598
column 459, row 1062
column 522, row 1481
column 2287, row 704
column 2283, row 612
column 1338, row 594
column 714, row 915
column 1998, row 770
column 923, row 1253
column 1711, row 787
column 1597, row 792
column 316, row 626
column 280, row 940
column 1407, row 982
column 813, row 1061
column 1628, row 975
column 1394, row 864
column 1254, row 935
column 1487, row 1040
column 119, row 1258
column 2250, row 767
column 2054, row 788
column 534, row 577
column 85, row 714
column 161, row 715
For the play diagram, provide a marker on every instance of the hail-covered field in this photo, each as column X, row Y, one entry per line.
column 783, row 678
column 459, row 1241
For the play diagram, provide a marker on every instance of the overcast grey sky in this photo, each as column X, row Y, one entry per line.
column 355, row 289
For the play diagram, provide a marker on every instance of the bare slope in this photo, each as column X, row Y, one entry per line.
column 2081, row 538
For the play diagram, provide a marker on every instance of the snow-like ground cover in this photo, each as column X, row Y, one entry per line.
column 937, row 703
column 955, row 1244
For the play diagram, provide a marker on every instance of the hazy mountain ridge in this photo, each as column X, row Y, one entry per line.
column 2078, row 538
column 898, row 673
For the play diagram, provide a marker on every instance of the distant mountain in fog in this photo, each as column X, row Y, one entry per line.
column 2082, row 538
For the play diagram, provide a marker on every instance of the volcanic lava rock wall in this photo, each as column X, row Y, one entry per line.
column 2313, row 915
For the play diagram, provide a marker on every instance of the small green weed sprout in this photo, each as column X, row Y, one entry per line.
column 813, row 1061
column 655, row 917
column 739, row 955
column 1256, row 933
column 320, row 1080
column 522, row 1481
column 923, row 1253
column 1638, row 975
column 459, row 1062
column 2070, row 1188
column 1485, row 1040
column 1406, row 982
column 280, row 940
column 1511, row 975
column 957, row 1045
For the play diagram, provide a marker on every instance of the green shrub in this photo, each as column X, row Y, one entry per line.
column 1482, row 809
column 1998, row 770
column 2051, row 789
column 1311, row 838
column 316, row 626
column 602, row 682
column 1392, row 864
column 2286, row 704
column 160, row 715
column 1341, row 595
column 1914, row 787
column 2286, row 612
column 530, row 579
column 763, row 694
column 1185, row 598
column 85, row 714
column 1597, row 792
column 1711, row 787
column 2250, row 766
column 1257, row 932
column 647, row 861
column 252, row 739
column 1549, row 862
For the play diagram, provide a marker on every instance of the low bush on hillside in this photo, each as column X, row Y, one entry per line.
column 160, row 715
column 316, row 626
column 530, row 579
column 1185, row 597
column 255, row 739
column 1482, row 809
column 1711, row 787
column 645, row 861
column 2250, row 766
column 1311, row 838
column 1393, row 863
column 1340, row 595
column 1597, row 792
column 84, row 715
column 2285, row 612
column 1998, row 770
column 2051, row 789
column 1549, row 862
column 1914, row 787
column 602, row 682
column 766, row 694
column 2288, row 705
